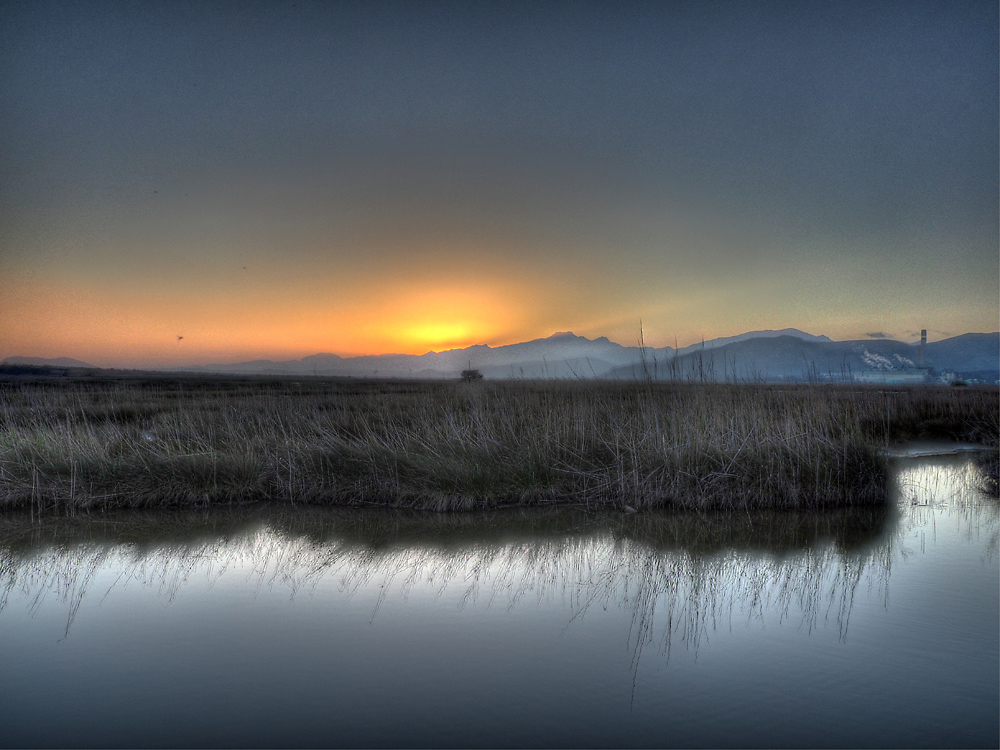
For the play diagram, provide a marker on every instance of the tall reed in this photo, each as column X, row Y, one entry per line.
column 446, row 446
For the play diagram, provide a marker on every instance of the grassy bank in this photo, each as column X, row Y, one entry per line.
column 442, row 446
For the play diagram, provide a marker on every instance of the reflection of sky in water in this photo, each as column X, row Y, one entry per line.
column 944, row 492
column 575, row 573
column 305, row 627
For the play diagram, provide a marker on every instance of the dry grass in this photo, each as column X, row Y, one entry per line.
column 455, row 446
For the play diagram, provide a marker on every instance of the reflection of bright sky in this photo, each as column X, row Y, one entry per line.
column 942, row 504
column 938, row 500
column 589, row 635
column 940, row 484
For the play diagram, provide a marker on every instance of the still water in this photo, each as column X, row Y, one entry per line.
column 313, row 627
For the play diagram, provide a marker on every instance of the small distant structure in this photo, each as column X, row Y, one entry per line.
column 901, row 372
column 912, row 376
column 922, row 366
column 471, row 375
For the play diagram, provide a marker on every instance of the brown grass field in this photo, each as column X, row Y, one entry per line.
column 70, row 444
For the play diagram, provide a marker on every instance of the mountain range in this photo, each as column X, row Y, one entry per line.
column 790, row 358
column 787, row 355
column 559, row 356
column 46, row 362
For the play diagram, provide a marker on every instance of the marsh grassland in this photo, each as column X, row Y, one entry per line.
column 69, row 445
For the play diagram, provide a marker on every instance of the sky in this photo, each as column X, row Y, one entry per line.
column 223, row 181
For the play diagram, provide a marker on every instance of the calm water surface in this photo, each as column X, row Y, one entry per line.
column 307, row 627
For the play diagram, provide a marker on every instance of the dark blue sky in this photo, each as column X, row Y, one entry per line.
column 406, row 176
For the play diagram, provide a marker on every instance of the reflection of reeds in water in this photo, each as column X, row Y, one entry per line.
column 988, row 468
column 952, row 488
column 676, row 576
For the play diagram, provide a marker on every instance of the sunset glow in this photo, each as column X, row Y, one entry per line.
column 405, row 181
column 436, row 336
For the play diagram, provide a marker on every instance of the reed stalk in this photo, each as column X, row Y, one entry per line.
column 455, row 446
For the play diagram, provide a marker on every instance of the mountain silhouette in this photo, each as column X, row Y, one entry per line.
column 786, row 358
column 766, row 356
column 46, row 362
column 787, row 355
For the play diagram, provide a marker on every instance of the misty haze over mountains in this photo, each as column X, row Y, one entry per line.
column 788, row 355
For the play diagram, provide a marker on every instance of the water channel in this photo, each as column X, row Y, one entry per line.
column 312, row 627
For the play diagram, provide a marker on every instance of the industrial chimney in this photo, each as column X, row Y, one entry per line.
column 923, row 343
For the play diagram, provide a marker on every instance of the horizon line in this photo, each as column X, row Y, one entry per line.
column 237, row 360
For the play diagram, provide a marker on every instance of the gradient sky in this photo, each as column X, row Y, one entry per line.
column 277, row 179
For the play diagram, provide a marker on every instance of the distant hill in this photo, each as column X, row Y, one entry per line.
column 788, row 355
column 766, row 356
column 43, row 362
column 970, row 352
column 726, row 340
column 562, row 355
column 794, row 359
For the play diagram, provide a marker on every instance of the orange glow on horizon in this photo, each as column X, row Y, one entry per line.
column 144, row 327
column 433, row 318
column 436, row 334
column 158, row 323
